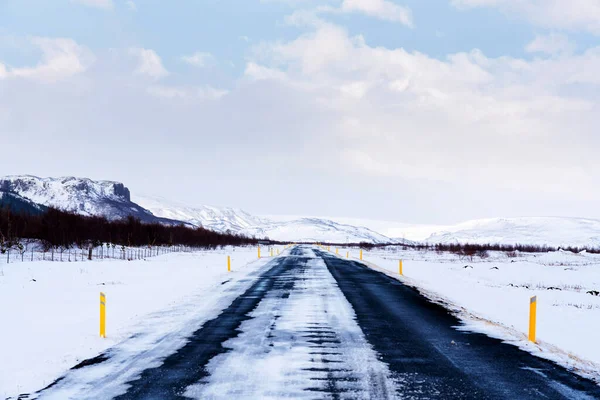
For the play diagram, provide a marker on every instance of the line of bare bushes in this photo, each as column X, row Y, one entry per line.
column 481, row 250
column 58, row 229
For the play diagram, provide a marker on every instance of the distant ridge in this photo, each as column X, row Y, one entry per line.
column 113, row 200
column 236, row 220
column 83, row 196
column 220, row 219
column 550, row 231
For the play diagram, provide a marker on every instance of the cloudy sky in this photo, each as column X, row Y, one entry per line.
column 417, row 111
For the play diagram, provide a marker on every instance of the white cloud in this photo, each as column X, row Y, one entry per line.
column 167, row 92
column 210, row 93
column 149, row 63
column 356, row 90
column 131, row 5
column 309, row 18
column 199, row 59
column 576, row 15
column 328, row 45
column 3, row 71
column 326, row 106
column 550, row 44
column 258, row 72
column 61, row 58
column 382, row 9
column 104, row 4
column 467, row 119
column 184, row 92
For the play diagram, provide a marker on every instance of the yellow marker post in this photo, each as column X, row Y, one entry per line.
column 336, row 251
column 400, row 267
column 228, row 263
column 360, row 254
column 102, row 315
column 532, row 318
column 258, row 251
column 347, row 254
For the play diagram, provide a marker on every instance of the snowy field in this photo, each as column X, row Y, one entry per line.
column 491, row 296
column 49, row 310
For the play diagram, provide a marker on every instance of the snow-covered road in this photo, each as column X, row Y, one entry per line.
column 302, row 341
column 312, row 325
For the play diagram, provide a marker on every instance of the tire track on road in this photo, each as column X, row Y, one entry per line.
column 430, row 358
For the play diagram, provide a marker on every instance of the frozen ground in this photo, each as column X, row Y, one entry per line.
column 49, row 310
column 492, row 296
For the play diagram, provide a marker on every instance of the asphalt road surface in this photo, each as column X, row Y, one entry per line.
column 316, row 326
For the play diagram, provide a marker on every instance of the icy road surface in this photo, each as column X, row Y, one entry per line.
column 315, row 326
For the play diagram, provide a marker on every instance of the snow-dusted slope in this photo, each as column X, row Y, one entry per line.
column 315, row 230
column 551, row 231
column 286, row 229
column 18, row 203
column 219, row 219
column 79, row 195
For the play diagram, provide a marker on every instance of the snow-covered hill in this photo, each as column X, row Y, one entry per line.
column 551, row 231
column 218, row 219
column 236, row 220
column 315, row 230
column 79, row 195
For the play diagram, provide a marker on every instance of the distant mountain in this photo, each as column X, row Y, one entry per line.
column 315, row 230
column 113, row 201
column 220, row 219
column 79, row 195
column 551, row 231
column 239, row 221
column 18, row 204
